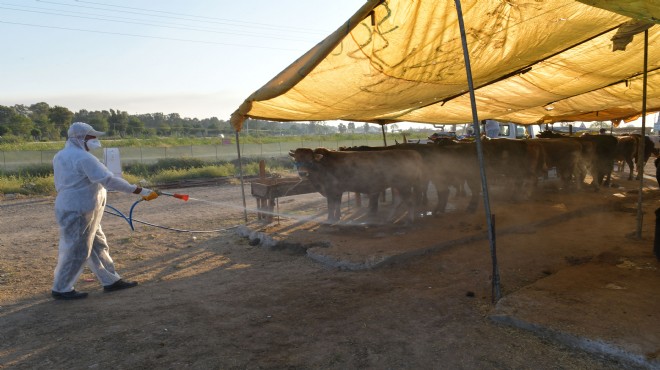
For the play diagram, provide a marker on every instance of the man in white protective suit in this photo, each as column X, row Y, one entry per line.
column 81, row 181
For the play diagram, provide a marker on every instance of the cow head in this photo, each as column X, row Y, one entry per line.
column 305, row 160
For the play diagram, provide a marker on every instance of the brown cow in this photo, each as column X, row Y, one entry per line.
column 625, row 152
column 444, row 168
column 565, row 154
column 602, row 162
column 649, row 148
column 333, row 173
column 516, row 161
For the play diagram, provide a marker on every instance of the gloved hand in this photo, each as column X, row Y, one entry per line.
column 148, row 194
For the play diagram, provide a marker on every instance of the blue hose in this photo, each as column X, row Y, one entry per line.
column 128, row 219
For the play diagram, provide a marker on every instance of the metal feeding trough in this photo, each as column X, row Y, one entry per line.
column 267, row 190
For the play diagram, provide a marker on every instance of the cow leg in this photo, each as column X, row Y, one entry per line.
column 639, row 173
column 373, row 203
column 631, row 166
column 474, row 198
column 404, row 196
column 421, row 196
column 412, row 204
column 395, row 207
column 565, row 174
column 443, row 197
column 334, row 207
column 474, row 202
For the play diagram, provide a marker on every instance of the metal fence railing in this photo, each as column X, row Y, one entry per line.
column 14, row 160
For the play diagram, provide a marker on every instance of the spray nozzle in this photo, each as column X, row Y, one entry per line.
column 183, row 197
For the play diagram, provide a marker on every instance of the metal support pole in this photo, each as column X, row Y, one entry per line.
column 640, row 155
column 382, row 128
column 480, row 155
column 240, row 172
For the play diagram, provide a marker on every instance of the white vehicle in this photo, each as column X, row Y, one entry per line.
column 513, row 131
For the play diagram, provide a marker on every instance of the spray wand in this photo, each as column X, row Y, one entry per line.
column 129, row 219
column 183, row 197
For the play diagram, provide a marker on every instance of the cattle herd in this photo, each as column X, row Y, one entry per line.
column 408, row 169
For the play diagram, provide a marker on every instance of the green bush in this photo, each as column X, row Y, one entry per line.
column 37, row 170
column 11, row 184
column 194, row 173
column 27, row 185
column 40, row 186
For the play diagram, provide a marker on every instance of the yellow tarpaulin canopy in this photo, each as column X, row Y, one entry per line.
column 532, row 62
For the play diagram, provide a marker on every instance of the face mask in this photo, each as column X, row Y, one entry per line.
column 93, row 144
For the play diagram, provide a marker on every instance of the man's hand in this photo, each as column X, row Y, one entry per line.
column 148, row 194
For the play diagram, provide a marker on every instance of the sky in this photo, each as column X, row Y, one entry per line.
column 198, row 58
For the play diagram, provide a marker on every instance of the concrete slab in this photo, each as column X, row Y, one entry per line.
column 604, row 308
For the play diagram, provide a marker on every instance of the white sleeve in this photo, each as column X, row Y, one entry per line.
column 98, row 173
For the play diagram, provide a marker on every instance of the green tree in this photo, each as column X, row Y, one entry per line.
column 351, row 127
column 22, row 110
column 342, row 128
column 135, row 126
column 164, row 129
column 39, row 116
column 99, row 120
column 312, row 129
column 600, row 124
column 6, row 113
column 60, row 117
column 36, row 134
column 118, row 122
column 213, row 128
column 365, row 127
column 20, row 125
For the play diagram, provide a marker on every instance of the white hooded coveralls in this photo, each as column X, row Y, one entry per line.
column 81, row 181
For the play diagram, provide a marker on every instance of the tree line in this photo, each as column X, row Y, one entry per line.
column 42, row 122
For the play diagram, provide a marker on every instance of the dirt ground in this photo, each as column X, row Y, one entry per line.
column 353, row 295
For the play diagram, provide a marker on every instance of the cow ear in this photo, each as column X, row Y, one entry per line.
column 318, row 156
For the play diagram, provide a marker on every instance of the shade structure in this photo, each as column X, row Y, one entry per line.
column 533, row 62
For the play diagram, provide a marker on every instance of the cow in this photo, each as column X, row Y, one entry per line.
column 332, row 173
column 625, row 152
column 649, row 148
column 549, row 134
column 538, row 161
column 657, row 172
column 601, row 162
column 514, row 161
column 453, row 166
column 445, row 165
column 565, row 154
column 421, row 198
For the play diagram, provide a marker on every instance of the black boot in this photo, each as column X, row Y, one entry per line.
column 119, row 285
column 68, row 295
